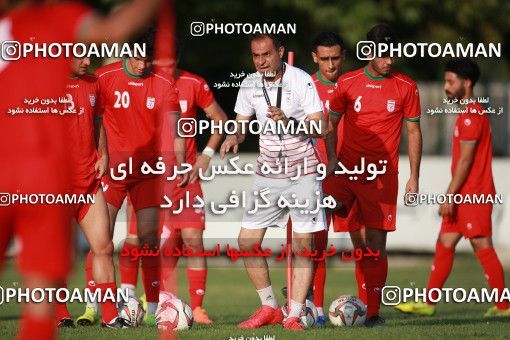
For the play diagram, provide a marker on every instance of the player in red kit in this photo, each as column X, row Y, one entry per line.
column 373, row 102
column 471, row 175
column 35, row 150
column 328, row 53
column 90, row 156
column 137, row 102
column 189, row 224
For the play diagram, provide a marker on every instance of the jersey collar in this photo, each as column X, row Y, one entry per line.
column 124, row 66
column 371, row 76
column 324, row 81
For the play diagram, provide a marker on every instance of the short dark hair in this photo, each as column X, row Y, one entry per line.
column 275, row 38
column 328, row 39
column 464, row 68
column 382, row 34
column 147, row 37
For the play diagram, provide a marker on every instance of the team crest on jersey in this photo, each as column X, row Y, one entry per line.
column 92, row 99
column 390, row 106
column 150, row 102
column 184, row 105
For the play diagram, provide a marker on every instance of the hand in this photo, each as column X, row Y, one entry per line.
column 277, row 114
column 412, row 185
column 101, row 166
column 446, row 210
column 202, row 163
column 230, row 142
column 184, row 178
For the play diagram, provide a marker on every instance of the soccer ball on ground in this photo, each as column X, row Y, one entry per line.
column 132, row 311
column 347, row 310
column 172, row 313
column 308, row 314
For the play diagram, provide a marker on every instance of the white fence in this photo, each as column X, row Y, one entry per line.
column 417, row 227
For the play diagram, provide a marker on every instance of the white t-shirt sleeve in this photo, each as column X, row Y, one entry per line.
column 310, row 101
column 244, row 105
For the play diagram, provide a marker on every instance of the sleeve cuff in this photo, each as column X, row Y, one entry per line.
column 412, row 119
column 333, row 113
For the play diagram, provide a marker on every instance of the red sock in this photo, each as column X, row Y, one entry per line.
column 320, row 239
column 196, row 280
column 108, row 307
column 493, row 272
column 360, row 280
column 441, row 268
column 128, row 269
column 91, row 284
column 32, row 327
column 61, row 311
column 375, row 271
column 150, row 278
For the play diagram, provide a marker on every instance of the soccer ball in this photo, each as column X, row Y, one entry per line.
column 308, row 314
column 173, row 314
column 132, row 311
column 347, row 310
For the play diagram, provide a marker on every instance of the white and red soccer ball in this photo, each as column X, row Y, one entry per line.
column 347, row 310
column 132, row 311
column 172, row 313
column 308, row 315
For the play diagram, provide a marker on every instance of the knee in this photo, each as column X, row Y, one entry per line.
column 246, row 243
column 479, row 243
column 302, row 242
column 104, row 249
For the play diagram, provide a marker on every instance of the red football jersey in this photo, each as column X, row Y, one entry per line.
column 34, row 146
column 325, row 89
column 135, row 110
column 82, row 93
column 193, row 93
column 373, row 109
column 475, row 128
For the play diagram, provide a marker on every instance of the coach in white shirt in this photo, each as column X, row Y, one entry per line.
column 280, row 92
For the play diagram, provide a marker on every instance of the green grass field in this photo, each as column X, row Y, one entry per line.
column 231, row 298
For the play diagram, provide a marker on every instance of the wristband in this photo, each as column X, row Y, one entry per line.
column 208, row 151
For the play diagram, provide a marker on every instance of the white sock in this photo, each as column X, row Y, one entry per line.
column 295, row 309
column 130, row 288
column 93, row 304
column 267, row 297
column 151, row 307
column 320, row 311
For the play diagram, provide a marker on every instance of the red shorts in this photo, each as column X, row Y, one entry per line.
column 375, row 201
column 470, row 220
column 346, row 224
column 144, row 192
column 189, row 217
column 82, row 209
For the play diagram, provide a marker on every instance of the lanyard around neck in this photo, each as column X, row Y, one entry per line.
column 278, row 93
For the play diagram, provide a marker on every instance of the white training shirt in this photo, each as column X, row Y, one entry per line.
column 299, row 98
